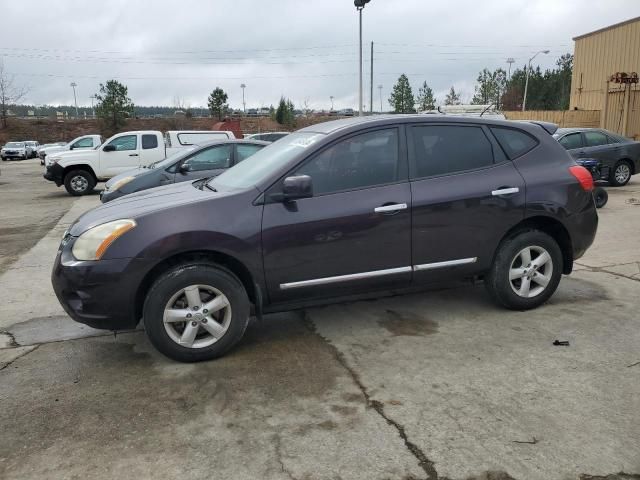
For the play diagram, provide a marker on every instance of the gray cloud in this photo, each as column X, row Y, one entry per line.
column 304, row 50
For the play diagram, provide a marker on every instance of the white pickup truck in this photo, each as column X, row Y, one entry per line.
column 80, row 170
column 80, row 143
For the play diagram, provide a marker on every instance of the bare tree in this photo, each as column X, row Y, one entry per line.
column 10, row 94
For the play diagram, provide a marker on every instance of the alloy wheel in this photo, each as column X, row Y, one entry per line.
column 197, row 316
column 79, row 183
column 622, row 173
column 530, row 272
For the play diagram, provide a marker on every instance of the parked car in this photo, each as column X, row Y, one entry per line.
column 32, row 148
column 79, row 171
column 338, row 210
column 189, row 164
column 267, row 136
column 84, row 142
column 13, row 150
column 47, row 145
column 184, row 138
column 619, row 156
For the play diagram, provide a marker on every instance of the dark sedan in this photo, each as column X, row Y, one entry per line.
column 206, row 160
column 619, row 156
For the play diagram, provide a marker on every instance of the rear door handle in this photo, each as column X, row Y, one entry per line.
column 133, row 154
column 391, row 208
column 505, row 191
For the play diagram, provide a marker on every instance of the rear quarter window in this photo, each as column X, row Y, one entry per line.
column 515, row 143
column 149, row 141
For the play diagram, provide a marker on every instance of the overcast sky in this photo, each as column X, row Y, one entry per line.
column 306, row 50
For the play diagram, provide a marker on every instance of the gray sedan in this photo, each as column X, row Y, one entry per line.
column 619, row 156
column 206, row 160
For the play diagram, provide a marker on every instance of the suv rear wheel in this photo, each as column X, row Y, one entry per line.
column 79, row 182
column 526, row 270
column 196, row 312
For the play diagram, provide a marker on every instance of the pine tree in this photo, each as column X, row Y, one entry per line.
column 114, row 104
column 401, row 98
column 217, row 103
column 452, row 97
column 426, row 100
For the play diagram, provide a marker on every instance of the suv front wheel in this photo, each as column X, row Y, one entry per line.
column 195, row 312
column 526, row 270
column 79, row 182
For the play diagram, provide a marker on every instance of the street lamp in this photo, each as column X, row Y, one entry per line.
column 75, row 99
column 331, row 97
column 380, row 88
column 93, row 112
column 526, row 83
column 244, row 106
column 510, row 61
column 360, row 6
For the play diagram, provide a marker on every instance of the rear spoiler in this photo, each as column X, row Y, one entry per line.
column 548, row 127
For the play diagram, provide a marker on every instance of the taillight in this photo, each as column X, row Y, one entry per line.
column 583, row 176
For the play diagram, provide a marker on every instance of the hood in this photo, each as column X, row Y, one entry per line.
column 74, row 155
column 134, row 172
column 50, row 150
column 140, row 204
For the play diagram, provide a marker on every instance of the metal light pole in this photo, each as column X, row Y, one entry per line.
column 75, row 99
column 526, row 82
column 331, row 97
column 380, row 88
column 93, row 112
column 244, row 106
column 360, row 6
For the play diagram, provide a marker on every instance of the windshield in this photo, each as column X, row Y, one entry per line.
column 14, row 145
column 170, row 160
column 265, row 162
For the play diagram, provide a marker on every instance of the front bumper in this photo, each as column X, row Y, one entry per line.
column 101, row 294
column 108, row 195
column 54, row 173
column 13, row 155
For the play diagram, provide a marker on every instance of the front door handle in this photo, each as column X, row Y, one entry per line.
column 505, row 191
column 393, row 208
column 133, row 154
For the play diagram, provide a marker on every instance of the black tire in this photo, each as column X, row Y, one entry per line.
column 75, row 185
column 600, row 196
column 497, row 280
column 4, row 159
column 180, row 277
column 616, row 177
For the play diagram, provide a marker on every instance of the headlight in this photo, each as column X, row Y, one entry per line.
column 92, row 244
column 120, row 183
column 53, row 160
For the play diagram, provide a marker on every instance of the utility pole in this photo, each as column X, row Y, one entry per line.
column 93, row 112
column 244, row 106
column 75, row 99
column 360, row 6
column 510, row 61
column 371, row 82
column 331, row 97
column 380, row 88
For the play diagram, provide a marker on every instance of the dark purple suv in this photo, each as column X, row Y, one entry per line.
column 339, row 210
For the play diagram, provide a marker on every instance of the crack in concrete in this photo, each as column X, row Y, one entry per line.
column 6, row 365
column 424, row 462
column 12, row 339
column 278, row 449
column 604, row 270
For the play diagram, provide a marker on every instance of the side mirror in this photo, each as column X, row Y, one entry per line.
column 184, row 168
column 109, row 148
column 72, row 147
column 299, row 186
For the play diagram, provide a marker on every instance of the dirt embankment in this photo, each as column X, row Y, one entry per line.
column 47, row 130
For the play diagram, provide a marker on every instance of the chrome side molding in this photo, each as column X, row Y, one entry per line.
column 448, row 263
column 344, row 278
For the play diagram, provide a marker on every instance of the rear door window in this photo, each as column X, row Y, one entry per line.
column 149, row 141
column 245, row 151
column 571, row 141
column 514, row 142
column 446, row 149
column 595, row 139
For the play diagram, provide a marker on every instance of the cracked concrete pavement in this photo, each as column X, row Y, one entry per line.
column 441, row 384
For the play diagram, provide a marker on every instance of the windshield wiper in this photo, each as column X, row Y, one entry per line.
column 206, row 184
